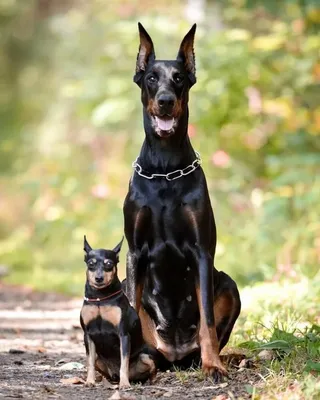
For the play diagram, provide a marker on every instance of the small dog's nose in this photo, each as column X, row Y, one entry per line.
column 99, row 279
column 166, row 102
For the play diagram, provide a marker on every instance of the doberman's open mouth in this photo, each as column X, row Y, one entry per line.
column 164, row 125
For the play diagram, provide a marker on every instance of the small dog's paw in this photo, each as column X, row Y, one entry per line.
column 90, row 383
column 124, row 385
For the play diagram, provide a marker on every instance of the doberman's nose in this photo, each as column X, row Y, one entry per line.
column 166, row 103
column 99, row 279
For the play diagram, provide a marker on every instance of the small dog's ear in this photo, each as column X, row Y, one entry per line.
column 145, row 54
column 86, row 246
column 118, row 248
column 186, row 54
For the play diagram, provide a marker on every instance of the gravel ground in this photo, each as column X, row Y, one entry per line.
column 40, row 336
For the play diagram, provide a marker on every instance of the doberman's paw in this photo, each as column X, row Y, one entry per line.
column 217, row 372
column 90, row 383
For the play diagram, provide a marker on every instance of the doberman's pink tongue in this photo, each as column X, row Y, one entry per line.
column 164, row 124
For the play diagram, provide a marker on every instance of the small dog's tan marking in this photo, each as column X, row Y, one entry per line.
column 108, row 313
column 124, row 368
column 89, row 313
column 108, row 277
column 111, row 314
column 91, row 358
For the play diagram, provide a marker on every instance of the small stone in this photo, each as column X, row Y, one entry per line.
column 16, row 351
column 168, row 394
column 246, row 363
column 266, row 355
column 71, row 365
column 115, row 396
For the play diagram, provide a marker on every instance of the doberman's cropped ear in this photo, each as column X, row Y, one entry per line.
column 118, row 248
column 86, row 246
column 145, row 54
column 186, row 54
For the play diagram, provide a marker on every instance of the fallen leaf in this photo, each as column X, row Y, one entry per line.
column 221, row 397
column 41, row 350
column 75, row 380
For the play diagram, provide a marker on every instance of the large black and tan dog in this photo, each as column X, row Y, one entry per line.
column 184, row 303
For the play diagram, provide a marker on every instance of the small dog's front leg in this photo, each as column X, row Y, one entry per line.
column 91, row 358
column 125, row 357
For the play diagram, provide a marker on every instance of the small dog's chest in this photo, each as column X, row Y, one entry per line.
column 111, row 314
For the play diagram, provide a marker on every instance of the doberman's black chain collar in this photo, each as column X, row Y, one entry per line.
column 171, row 176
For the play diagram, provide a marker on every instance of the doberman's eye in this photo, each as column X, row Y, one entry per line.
column 178, row 78
column 152, row 79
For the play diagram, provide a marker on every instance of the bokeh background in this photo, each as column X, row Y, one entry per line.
column 71, row 125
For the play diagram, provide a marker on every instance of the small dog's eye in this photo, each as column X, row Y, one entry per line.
column 178, row 78
column 108, row 263
column 91, row 262
column 152, row 79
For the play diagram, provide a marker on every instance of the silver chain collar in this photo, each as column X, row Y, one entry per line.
column 171, row 176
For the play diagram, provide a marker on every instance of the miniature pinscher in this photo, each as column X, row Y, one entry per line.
column 112, row 329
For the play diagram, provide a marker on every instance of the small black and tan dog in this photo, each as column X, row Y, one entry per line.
column 112, row 329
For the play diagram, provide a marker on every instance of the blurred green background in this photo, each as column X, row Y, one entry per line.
column 71, row 125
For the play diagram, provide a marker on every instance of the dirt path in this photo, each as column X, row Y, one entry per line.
column 40, row 335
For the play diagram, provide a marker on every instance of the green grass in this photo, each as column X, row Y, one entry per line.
column 283, row 318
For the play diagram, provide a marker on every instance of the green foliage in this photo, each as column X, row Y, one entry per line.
column 71, row 125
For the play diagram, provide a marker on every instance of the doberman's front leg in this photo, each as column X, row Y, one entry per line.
column 91, row 358
column 125, row 357
column 211, row 363
column 134, row 284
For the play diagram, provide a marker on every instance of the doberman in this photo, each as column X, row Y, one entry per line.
column 185, row 304
column 112, row 329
